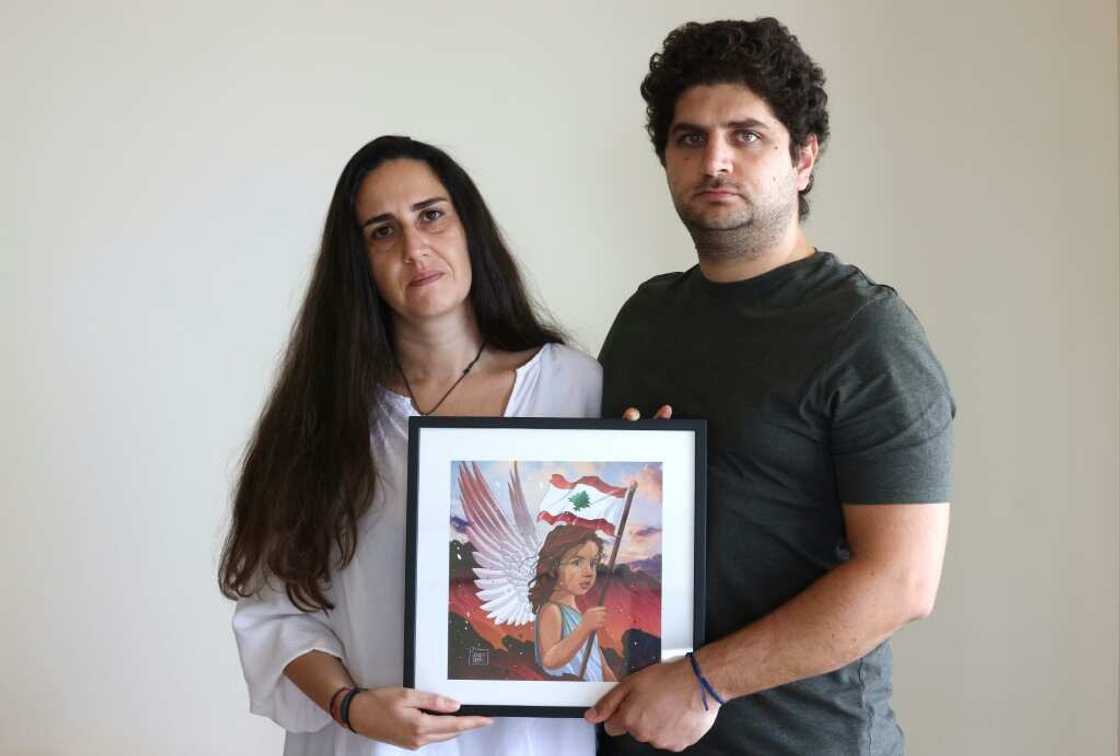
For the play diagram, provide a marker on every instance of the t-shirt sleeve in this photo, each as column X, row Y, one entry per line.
column 606, row 353
column 617, row 353
column 270, row 633
column 890, row 408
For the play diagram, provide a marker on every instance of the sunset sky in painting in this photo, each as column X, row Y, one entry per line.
column 642, row 538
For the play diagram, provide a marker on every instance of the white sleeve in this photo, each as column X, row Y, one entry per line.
column 270, row 633
column 576, row 382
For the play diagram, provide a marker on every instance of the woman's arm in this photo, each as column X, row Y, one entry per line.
column 292, row 663
column 390, row 715
column 319, row 676
column 271, row 633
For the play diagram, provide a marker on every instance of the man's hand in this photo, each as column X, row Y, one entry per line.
column 660, row 705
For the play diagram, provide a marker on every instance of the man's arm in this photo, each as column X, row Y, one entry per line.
column 891, row 579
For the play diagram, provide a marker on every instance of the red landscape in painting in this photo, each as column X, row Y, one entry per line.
column 505, row 517
column 633, row 604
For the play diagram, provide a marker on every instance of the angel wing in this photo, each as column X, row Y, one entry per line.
column 506, row 552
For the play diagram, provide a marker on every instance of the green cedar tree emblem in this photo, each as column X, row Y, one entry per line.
column 580, row 501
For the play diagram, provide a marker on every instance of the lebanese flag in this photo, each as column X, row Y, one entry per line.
column 588, row 502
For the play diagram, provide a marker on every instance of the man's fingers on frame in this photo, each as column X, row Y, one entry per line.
column 664, row 412
column 607, row 704
column 612, row 729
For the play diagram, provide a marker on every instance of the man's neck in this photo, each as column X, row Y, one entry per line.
column 727, row 268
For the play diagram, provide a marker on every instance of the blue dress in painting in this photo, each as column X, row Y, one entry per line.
column 569, row 621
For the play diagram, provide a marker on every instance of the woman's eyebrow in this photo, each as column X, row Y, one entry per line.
column 414, row 208
column 428, row 202
column 378, row 219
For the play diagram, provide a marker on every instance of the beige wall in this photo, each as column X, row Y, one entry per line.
column 166, row 173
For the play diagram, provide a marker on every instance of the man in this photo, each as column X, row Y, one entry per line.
column 829, row 422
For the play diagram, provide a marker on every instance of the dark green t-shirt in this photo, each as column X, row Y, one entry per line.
column 819, row 387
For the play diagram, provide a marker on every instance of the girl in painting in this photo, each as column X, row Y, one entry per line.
column 567, row 567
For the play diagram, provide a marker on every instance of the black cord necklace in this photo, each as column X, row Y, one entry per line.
column 412, row 396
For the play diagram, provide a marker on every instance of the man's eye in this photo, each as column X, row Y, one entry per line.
column 749, row 137
column 690, row 140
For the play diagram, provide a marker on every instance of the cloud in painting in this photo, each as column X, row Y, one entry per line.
column 649, row 483
column 640, row 544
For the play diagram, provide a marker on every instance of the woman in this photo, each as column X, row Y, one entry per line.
column 567, row 567
column 415, row 306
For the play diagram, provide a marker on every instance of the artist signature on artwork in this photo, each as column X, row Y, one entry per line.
column 478, row 657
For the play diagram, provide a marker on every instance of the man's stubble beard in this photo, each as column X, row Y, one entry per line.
column 749, row 235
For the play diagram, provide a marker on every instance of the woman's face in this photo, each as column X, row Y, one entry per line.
column 416, row 244
column 578, row 569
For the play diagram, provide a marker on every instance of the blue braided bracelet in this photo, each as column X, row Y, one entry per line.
column 706, row 688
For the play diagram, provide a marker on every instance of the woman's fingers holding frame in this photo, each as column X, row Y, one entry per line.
column 451, row 726
column 431, row 701
column 400, row 716
column 432, row 728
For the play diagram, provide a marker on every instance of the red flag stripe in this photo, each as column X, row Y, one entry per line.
column 567, row 518
column 594, row 481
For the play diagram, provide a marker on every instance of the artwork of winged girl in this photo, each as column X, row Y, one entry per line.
column 555, row 570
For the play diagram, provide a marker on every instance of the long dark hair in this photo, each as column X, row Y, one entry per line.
column 560, row 541
column 308, row 475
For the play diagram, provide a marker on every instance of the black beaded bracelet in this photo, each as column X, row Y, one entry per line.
column 344, row 707
column 334, row 700
column 706, row 688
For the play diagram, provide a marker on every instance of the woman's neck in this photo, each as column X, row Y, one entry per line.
column 437, row 349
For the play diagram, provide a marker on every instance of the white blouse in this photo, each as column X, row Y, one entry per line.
column 365, row 629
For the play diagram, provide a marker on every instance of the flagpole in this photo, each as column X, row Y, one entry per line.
column 610, row 571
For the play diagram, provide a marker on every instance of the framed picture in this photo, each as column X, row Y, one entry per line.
column 549, row 558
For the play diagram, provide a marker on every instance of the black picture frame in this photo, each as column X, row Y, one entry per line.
column 466, row 441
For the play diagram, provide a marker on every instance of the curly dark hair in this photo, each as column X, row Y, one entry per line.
column 760, row 54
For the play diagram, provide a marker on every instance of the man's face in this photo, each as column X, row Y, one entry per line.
column 728, row 163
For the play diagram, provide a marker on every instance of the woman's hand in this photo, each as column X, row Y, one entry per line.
column 397, row 716
column 593, row 619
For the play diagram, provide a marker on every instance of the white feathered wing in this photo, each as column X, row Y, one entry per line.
column 506, row 552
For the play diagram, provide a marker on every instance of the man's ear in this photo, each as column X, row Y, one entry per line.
column 806, row 161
